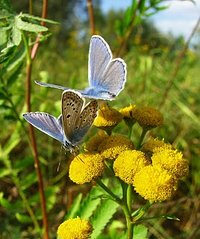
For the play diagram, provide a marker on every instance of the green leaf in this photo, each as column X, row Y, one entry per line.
column 29, row 180
column 75, row 207
column 90, row 203
column 14, row 76
column 4, row 172
column 140, row 232
column 21, row 164
column 4, row 202
column 16, row 35
column 23, row 218
column 51, row 196
column 187, row 111
column 102, row 216
column 11, row 143
column 27, row 26
column 38, row 18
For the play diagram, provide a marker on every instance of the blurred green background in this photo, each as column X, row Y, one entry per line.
column 160, row 74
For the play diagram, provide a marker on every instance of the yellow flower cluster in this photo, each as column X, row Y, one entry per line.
column 148, row 117
column 154, row 183
column 93, row 144
column 75, row 228
column 153, row 143
column 154, row 179
column 112, row 146
column 170, row 160
column 128, row 163
column 154, row 171
column 85, row 167
column 107, row 117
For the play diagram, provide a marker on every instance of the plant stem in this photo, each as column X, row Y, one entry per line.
column 91, row 16
column 144, row 131
column 129, row 196
column 128, row 221
column 108, row 191
column 30, row 57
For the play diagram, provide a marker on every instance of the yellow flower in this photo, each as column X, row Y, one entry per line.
column 128, row 163
column 93, row 144
column 112, row 146
column 154, row 183
column 107, row 118
column 148, row 117
column 85, row 167
column 170, row 160
column 153, row 143
column 128, row 112
column 75, row 228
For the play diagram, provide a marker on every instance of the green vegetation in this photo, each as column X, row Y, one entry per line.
column 162, row 73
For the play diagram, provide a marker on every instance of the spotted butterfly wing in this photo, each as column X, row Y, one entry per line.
column 77, row 119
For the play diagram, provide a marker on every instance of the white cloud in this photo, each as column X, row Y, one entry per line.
column 179, row 19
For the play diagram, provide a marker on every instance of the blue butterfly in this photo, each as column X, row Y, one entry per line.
column 107, row 76
column 72, row 125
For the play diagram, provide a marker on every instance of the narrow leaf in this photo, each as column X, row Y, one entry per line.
column 75, row 207
column 27, row 26
column 16, row 35
column 23, row 218
column 38, row 18
column 102, row 216
column 90, row 203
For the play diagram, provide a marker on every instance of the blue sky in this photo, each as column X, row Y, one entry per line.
column 179, row 18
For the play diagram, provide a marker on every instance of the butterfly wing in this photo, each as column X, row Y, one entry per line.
column 106, row 77
column 72, row 104
column 84, row 121
column 46, row 123
column 51, row 85
column 99, row 57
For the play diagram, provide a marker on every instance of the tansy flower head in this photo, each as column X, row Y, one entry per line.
column 148, row 117
column 154, row 183
column 152, row 143
column 85, row 167
column 107, row 118
column 128, row 114
column 93, row 144
column 171, row 160
column 74, row 229
column 112, row 146
column 128, row 163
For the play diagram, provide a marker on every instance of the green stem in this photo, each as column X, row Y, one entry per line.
column 128, row 221
column 144, row 131
column 129, row 132
column 126, row 207
column 129, row 196
column 108, row 191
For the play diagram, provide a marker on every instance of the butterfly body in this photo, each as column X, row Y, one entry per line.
column 106, row 76
column 72, row 125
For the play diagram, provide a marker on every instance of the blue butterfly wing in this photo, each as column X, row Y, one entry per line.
column 46, row 123
column 51, row 85
column 99, row 57
column 106, row 76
